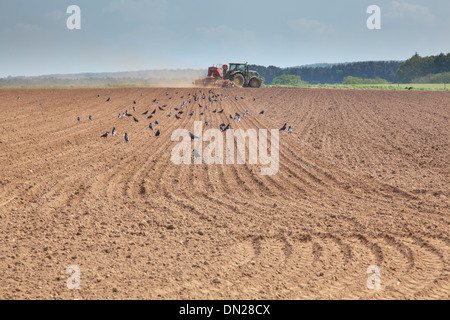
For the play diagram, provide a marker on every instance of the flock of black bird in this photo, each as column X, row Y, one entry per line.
column 198, row 100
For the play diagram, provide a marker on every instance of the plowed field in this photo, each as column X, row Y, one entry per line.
column 363, row 181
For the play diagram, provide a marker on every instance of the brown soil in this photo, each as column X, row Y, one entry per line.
column 363, row 180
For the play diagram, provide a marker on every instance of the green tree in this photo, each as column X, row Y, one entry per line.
column 288, row 80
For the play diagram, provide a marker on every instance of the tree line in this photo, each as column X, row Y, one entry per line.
column 429, row 69
column 334, row 74
column 433, row 69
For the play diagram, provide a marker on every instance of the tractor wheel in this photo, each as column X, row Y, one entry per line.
column 254, row 83
column 238, row 80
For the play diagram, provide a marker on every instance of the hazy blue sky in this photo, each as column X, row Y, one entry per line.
column 122, row 35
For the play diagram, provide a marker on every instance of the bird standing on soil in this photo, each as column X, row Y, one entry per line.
column 145, row 113
column 157, row 133
column 127, row 138
column 284, row 127
column 262, row 112
column 114, row 131
column 290, row 129
column 135, row 120
column 150, row 126
column 107, row 100
column 79, row 120
column 196, row 153
column 104, row 135
column 90, row 117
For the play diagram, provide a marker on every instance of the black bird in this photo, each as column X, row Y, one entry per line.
column 221, row 111
column 192, row 136
column 215, row 110
column 156, row 122
column 154, row 111
column 105, row 134
column 207, row 123
column 107, row 100
column 127, row 138
column 135, row 120
column 262, row 112
column 79, row 120
column 191, row 114
column 134, row 101
column 284, row 127
column 202, row 113
column 161, row 109
column 150, row 126
column 169, row 115
column 231, row 117
column 149, row 117
column 154, row 100
column 145, row 112
column 178, row 117
column 129, row 115
column 157, row 133
column 114, row 132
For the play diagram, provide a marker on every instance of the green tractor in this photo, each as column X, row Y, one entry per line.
column 241, row 76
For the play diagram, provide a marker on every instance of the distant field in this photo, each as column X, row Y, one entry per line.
column 391, row 86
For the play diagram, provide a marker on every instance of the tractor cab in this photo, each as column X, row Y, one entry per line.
column 242, row 67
